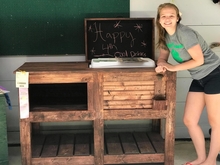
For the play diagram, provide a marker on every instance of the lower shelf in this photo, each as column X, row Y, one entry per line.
column 125, row 143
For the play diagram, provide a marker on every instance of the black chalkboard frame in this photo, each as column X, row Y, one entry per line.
column 102, row 36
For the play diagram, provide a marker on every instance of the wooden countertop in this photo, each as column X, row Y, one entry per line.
column 70, row 66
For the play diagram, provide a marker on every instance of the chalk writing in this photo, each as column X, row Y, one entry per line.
column 143, row 43
column 138, row 27
column 119, row 37
column 98, row 33
column 117, row 25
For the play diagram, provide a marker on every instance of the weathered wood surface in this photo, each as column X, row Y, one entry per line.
column 134, row 114
column 159, row 104
column 66, row 145
column 170, row 120
column 112, row 94
column 56, row 72
column 25, row 141
column 50, row 146
column 125, row 143
column 98, row 122
column 57, row 116
column 51, row 66
column 128, row 91
column 113, row 145
column 144, row 143
column 135, row 159
column 78, row 160
column 37, row 145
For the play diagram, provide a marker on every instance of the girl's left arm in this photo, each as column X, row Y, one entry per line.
column 197, row 60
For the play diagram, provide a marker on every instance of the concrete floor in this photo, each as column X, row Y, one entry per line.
column 184, row 151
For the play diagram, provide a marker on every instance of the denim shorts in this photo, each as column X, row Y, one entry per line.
column 209, row 84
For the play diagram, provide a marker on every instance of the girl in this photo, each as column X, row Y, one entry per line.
column 192, row 53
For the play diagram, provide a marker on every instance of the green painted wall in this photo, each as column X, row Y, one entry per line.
column 51, row 27
column 3, row 133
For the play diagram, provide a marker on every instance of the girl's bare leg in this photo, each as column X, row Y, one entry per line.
column 195, row 103
column 213, row 110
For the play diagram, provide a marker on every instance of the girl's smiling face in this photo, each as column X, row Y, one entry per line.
column 168, row 19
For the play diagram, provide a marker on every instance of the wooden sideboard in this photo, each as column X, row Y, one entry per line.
column 111, row 94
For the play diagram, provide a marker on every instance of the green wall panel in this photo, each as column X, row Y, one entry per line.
column 3, row 133
column 51, row 27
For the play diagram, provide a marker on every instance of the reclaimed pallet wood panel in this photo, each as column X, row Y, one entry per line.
column 63, row 145
column 157, row 141
column 51, row 146
column 109, row 94
column 143, row 143
column 82, row 144
column 113, row 144
column 52, row 66
column 135, row 159
column 128, row 143
column 66, row 145
column 37, row 145
column 61, row 116
column 124, row 143
column 128, row 95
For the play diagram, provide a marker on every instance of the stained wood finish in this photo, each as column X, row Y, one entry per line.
column 144, row 143
column 112, row 94
column 37, row 145
column 71, row 146
column 113, row 145
column 61, row 115
column 51, row 146
column 170, row 120
column 25, row 136
column 98, row 122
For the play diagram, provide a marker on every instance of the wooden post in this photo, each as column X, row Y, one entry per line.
column 159, row 102
column 98, row 122
column 25, row 140
column 170, row 120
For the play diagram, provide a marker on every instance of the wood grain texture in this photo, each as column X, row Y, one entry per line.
column 112, row 94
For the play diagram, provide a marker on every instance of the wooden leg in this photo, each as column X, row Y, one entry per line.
column 99, row 141
column 25, row 139
column 169, row 142
column 170, row 121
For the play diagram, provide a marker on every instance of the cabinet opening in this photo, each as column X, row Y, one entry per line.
column 67, row 96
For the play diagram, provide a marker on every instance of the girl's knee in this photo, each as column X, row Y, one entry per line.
column 189, row 122
column 214, row 122
column 186, row 122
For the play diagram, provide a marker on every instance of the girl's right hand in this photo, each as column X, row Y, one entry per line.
column 160, row 69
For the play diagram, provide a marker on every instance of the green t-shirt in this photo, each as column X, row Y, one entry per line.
column 183, row 39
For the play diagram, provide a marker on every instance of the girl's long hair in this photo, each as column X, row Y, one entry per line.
column 161, row 31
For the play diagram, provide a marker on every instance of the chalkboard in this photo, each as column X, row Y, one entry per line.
column 51, row 27
column 119, row 37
